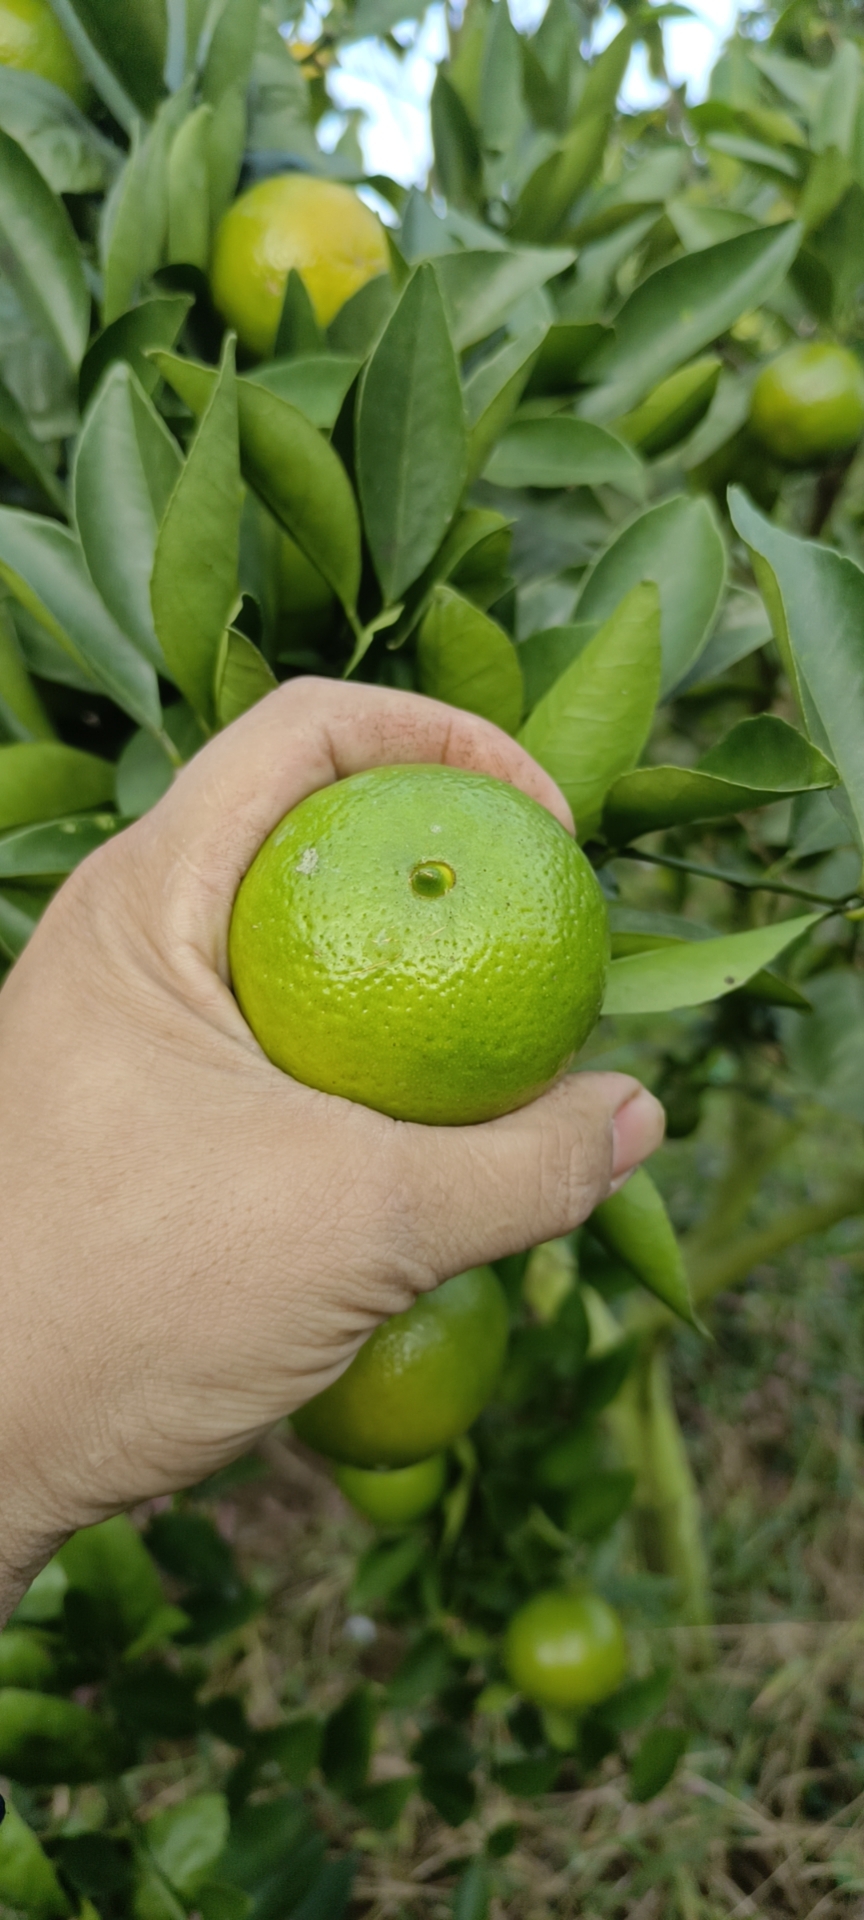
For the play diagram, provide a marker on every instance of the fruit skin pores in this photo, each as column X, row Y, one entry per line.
column 423, row 940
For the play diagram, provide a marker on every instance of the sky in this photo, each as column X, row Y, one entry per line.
column 395, row 93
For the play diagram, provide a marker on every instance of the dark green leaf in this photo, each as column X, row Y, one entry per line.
column 135, row 215
column 473, row 1892
column 458, row 163
column 188, row 1546
column 680, row 309
column 22, row 715
column 44, row 1740
column 385, row 1568
column 636, row 1700
column 566, row 346
column 150, row 1699
column 381, row 1805
column 592, row 724
column 126, row 467
column 131, row 48
column 601, row 1379
column 111, row 1564
column 673, row 409
column 547, row 198
column 155, row 323
column 655, row 1761
column 26, row 1659
column 262, row 1838
column 597, row 1501
column 494, row 390
column 295, row 1747
column 194, row 585
column 410, row 437
column 466, row 659
column 743, row 626
column 41, row 255
column 298, row 330
column 70, row 154
column 23, row 454
column 316, row 384
column 329, row 1897
column 346, row 1747
column 28, row 1881
column 634, row 1226
column 52, row 851
column 527, row 1778
column 562, row 452
column 481, row 289
column 358, row 324
column 677, row 545
column 185, row 1842
column 690, row 975
column 188, row 188
column 758, row 762
column 95, row 1865
column 544, row 656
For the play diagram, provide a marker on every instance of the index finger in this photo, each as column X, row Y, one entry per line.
column 305, row 735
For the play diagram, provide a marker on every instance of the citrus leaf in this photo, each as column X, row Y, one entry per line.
column 689, row 975
column 565, row 348
column 123, row 53
column 23, row 454
column 593, row 723
column 673, row 409
column 41, row 257
column 71, row 155
column 242, row 677
column 110, row 1563
column 549, row 194
column 41, row 778
column 479, row 290
column 126, row 467
column 135, row 214
column 655, row 1761
column 27, row 1878
column 316, row 384
column 492, row 393
column 410, row 436
column 633, row 1224
column 465, row 658
column 51, row 851
column 155, row 323
column 759, row 761
column 44, row 1740
column 22, row 714
column 194, row 585
column 562, row 452
column 680, row 309
column 815, row 600
column 188, row 189
column 186, row 1841
column 678, row 545
column 43, row 566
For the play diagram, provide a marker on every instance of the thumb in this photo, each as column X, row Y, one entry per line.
column 497, row 1188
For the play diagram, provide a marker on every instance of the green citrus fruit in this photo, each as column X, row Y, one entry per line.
column 32, row 40
column 808, row 404
column 394, row 1496
column 565, row 1650
column 426, row 941
column 292, row 220
column 418, row 1382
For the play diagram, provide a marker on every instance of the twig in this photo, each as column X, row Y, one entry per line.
column 743, row 881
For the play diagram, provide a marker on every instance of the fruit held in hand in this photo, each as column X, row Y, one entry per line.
column 429, row 942
column 32, row 40
column 394, row 1496
column 297, row 220
column 420, row 1380
column 565, row 1650
column 808, row 404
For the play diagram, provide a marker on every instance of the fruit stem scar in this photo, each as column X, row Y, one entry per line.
column 431, row 878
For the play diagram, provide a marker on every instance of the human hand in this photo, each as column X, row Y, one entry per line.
column 195, row 1244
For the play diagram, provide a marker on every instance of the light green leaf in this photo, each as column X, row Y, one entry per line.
column 680, row 309
column 110, row 1563
column 23, row 454
column 548, row 196
column 673, row 409
column 815, row 600
column 41, row 256
column 41, row 778
column 188, row 184
column 28, row 1882
column 186, row 1841
column 677, row 545
column 563, row 452
column 743, row 626
column 316, row 384
column 155, row 323
column 231, row 50
column 26, row 1657
column 126, row 467
column 43, row 566
column 634, row 1225
column 51, row 851
column 481, row 289
column 22, row 715
column 71, row 155
column 465, row 658
column 44, row 1740
column 194, row 585
column 544, row 655
column 410, row 436
column 758, row 762
column 689, row 975
column 593, row 723
column 242, row 677
column 493, row 391
column 135, row 214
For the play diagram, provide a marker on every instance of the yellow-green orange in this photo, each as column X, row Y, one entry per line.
column 394, row 1496
column 297, row 220
column 420, row 1380
column 32, row 39
column 423, row 940
column 565, row 1650
column 808, row 404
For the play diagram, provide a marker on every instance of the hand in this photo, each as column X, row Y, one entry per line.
column 194, row 1243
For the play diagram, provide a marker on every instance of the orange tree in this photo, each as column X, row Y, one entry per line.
column 522, row 469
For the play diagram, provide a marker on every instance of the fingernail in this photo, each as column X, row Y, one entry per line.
column 637, row 1131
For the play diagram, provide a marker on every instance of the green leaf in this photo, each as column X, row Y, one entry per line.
column 826, row 1051
column 473, row 1892
column 815, row 600
column 124, row 54
column 22, row 715
column 50, row 852
column 126, row 467
column 655, row 1761
column 467, row 660
column 110, row 1563
column 231, row 50
column 410, row 437
column 759, row 761
column 41, row 778
column 135, row 214
column 44, row 1740
column 242, row 677
column 316, row 384
column 194, row 585
column 186, row 1841
column 547, row 198
column 680, row 309
column 563, row 452
column 689, row 975
column 23, row 454
column 357, row 325
column 634, row 1226
column 26, row 1660
column 27, row 1879
column 673, row 409
column 742, row 628
column 155, row 323
column 292, row 469
column 346, row 1747
column 677, row 545
column 545, row 655
column 493, row 391
column 298, row 330
column 593, row 723
column 481, row 289
column 188, row 185
column 70, row 154
column 458, row 164
column 596, row 1501
column 41, row 257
